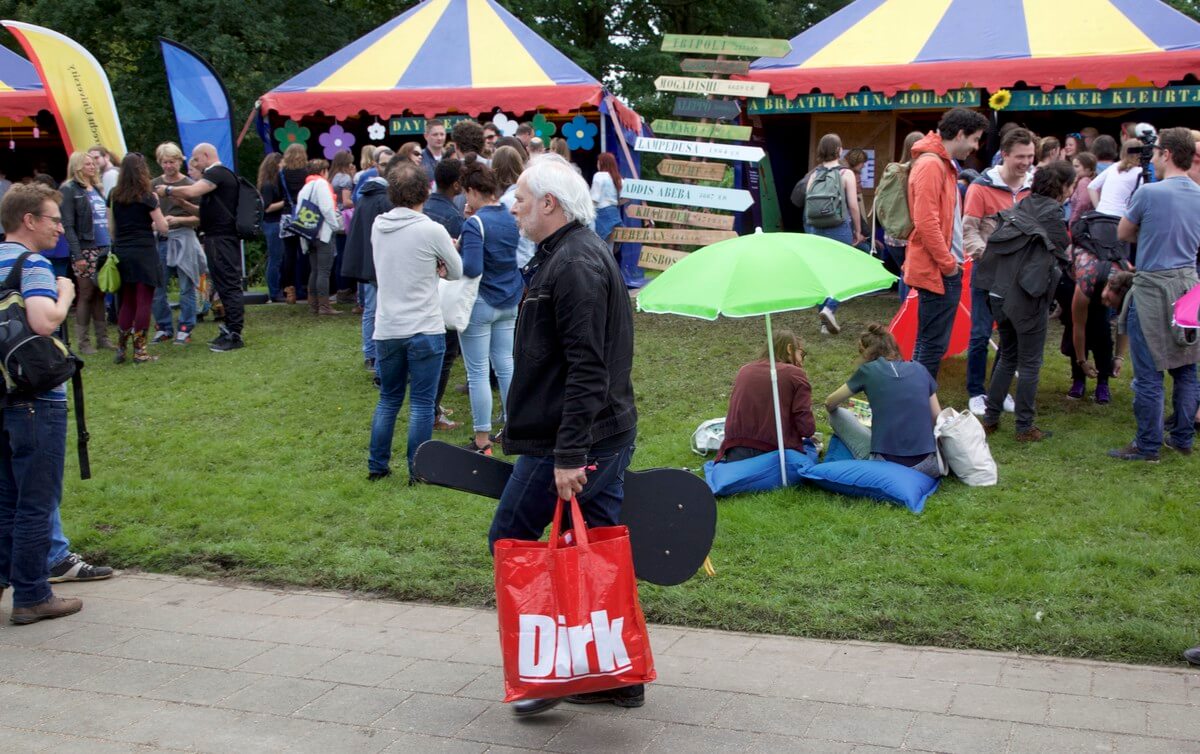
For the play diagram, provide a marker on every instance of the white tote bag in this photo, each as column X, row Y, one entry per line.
column 963, row 445
column 458, row 296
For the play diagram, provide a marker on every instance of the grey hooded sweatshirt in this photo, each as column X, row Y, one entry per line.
column 407, row 246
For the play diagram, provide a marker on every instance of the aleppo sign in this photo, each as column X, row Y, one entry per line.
column 1073, row 99
column 717, row 109
column 700, row 130
column 679, row 216
column 698, row 149
column 659, row 259
column 696, row 171
column 712, row 86
column 755, row 47
column 681, row 236
column 737, row 200
column 827, row 103
column 727, row 67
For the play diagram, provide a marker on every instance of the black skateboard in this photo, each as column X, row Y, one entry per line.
column 671, row 513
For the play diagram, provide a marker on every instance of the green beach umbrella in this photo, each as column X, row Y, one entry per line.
column 761, row 274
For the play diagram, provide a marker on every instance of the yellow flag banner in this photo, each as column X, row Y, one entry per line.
column 80, row 96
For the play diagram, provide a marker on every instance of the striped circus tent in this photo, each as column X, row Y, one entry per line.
column 892, row 45
column 468, row 56
column 21, row 92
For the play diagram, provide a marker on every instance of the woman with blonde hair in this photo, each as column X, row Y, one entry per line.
column 85, row 224
column 179, row 250
column 1110, row 191
column 294, row 271
column 366, row 159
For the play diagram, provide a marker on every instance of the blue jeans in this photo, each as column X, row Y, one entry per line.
column 416, row 360
column 935, row 322
column 274, row 260
column 60, row 546
column 527, row 505
column 488, row 341
column 161, row 306
column 1148, row 394
column 368, row 291
column 982, row 323
column 841, row 233
column 33, row 447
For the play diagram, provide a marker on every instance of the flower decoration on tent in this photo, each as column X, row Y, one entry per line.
column 292, row 133
column 336, row 140
column 507, row 126
column 580, row 134
column 1000, row 99
column 376, row 131
column 543, row 128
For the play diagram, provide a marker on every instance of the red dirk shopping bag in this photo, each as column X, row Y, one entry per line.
column 570, row 619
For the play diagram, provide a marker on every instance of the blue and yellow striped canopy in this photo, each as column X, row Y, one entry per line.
column 468, row 56
column 890, row 45
column 21, row 92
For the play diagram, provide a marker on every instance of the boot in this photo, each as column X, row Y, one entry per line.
column 140, row 355
column 122, row 345
column 102, row 341
column 323, row 306
column 82, row 341
column 314, row 304
column 289, row 294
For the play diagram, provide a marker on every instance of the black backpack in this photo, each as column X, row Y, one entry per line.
column 1096, row 233
column 30, row 363
column 248, row 217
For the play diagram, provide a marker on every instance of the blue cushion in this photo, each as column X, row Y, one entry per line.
column 878, row 480
column 757, row 474
column 837, row 451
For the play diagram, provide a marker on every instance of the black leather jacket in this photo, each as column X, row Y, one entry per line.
column 76, row 211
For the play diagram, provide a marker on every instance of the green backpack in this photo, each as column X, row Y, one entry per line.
column 825, row 201
column 891, row 202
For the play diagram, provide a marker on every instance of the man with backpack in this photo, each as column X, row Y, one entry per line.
column 33, row 438
column 933, row 263
column 999, row 188
column 218, row 194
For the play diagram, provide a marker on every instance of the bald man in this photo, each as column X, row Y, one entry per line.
column 217, row 191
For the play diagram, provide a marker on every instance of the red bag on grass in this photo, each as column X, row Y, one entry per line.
column 570, row 619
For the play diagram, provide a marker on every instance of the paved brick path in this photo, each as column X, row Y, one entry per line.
column 164, row 663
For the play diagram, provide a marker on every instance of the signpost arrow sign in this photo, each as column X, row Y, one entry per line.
column 746, row 46
column 717, row 109
column 728, row 67
column 698, row 149
column 679, row 216
column 697, row 171
column 737, row 200
column 681, row 236
column 700, row 130
column 712, row 86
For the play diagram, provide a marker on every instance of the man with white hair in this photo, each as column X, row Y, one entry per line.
column 571, row 413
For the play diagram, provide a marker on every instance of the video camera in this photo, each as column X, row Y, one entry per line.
column 1148, row 135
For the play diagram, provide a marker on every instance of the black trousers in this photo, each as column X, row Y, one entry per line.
column 225, row 268
column 1098, row 340
column 452, row 352
column 1020, row 355
column 294, row 271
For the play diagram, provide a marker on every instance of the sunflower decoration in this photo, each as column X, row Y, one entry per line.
column 1000, row 99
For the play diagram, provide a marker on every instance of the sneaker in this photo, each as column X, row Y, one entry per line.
column 829, row 321
column 1009, row 404
column 626, row 696
column 1103, row 395
column 369, row 365
column 73, row 568
column 1033, row 434
column 183, row 337
column 222, row 332
column 1077, row 390
column 52, row 607
column 227, row 342
column 1132, row 452
column 977, row 405
column 1178, row 449
column 162, row 336
column 486, row 450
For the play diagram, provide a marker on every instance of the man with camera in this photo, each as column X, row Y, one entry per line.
column 1163, row 218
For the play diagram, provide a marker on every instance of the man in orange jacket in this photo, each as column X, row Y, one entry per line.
column 933, row 264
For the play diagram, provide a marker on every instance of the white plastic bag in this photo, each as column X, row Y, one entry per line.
column 963, row 445
column 708, row 436
column 457, row 297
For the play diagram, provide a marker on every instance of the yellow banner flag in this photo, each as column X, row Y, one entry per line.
column 77, row 87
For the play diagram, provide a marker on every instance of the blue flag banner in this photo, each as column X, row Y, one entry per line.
column 202, row 107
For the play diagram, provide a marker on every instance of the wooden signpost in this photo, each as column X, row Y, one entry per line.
column 696, row 171
column 679, row 216
column 698, row 149
column 653, row 258
column 700, row 130
column 712, row 86
column 717, row 109
column 727, row 67
column 752, row 47
column 737, row 200
column 681, row 236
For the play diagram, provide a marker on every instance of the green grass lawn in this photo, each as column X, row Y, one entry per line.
column 252, row 464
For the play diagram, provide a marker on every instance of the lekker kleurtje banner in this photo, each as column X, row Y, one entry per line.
column 81, row 99
column 201, row 103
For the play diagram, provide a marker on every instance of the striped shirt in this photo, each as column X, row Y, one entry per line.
column 37, row 279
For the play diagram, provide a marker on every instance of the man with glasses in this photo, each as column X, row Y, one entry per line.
column 33, row 437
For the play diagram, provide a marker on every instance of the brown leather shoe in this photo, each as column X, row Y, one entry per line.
column 990, row 429
column 54, row 607
column 1033, row 434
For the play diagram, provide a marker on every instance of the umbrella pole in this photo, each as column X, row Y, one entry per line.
column 775, row 399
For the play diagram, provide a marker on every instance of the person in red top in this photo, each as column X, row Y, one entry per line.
column 933, row 263
column 750, row 421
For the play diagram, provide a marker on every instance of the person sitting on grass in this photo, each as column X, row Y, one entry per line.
column 750, row 421
column 904, row 406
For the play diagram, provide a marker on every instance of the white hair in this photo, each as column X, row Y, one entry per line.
column 550, row 174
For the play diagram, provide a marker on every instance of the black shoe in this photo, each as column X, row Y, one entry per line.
column 626, row 696
column 227, row 342
column 1180, row 450
column 375, row 476
column 1132, row 452
column 73, row 568
column 529, row 707
column 1192, row 655
column 369, row 364
column 222, row 331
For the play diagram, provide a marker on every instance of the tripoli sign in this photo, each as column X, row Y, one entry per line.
column 696, row 171
column 679, row 216
column 698, row 149
column 717, row 109
column 682, row 236
column 712, row 86
column 737, row 200
column 700, row 130
column 746, row 46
